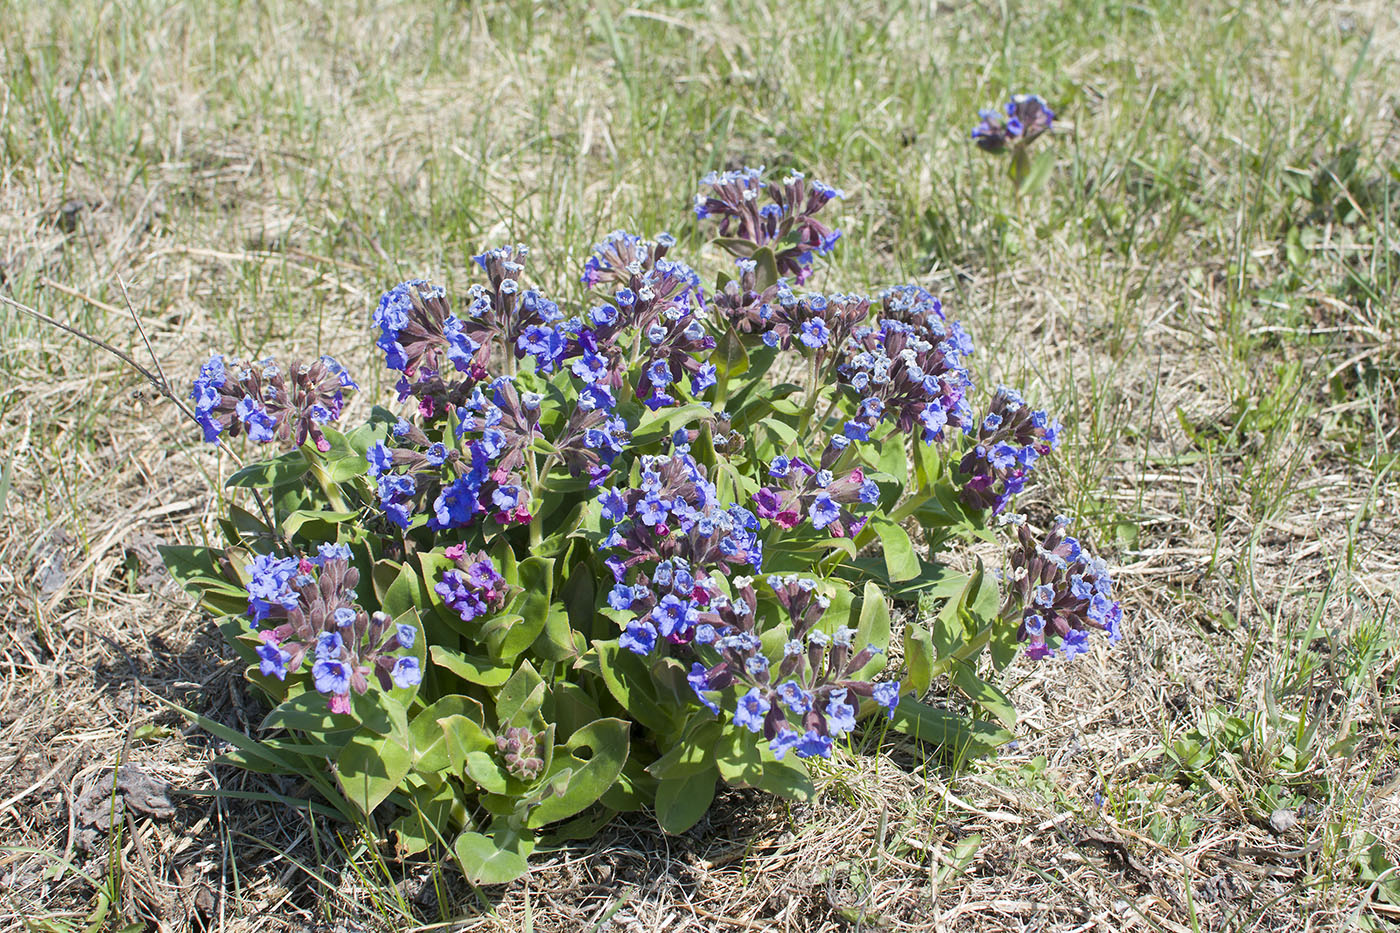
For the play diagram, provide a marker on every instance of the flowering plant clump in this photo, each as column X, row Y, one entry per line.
column 1026, row 118
column 599, row 556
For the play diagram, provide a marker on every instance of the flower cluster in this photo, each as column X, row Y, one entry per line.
column 1027, row 116
column 452, row 486
column 801, row 702
column 675, row 512
column 909, row 369
column 786, row 220
column 624, row 257
column 1059, row 590
column 817, row 324
column 1009, row 442
column 519, row 750
column 474, row 589
column 268, row 404
column 814, row 493
column 310, row 604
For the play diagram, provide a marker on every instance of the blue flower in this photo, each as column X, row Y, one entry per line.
column 815, row 333
column 267, row 586
column 331, row 551
column 259, row 424
column 824, row 511
column 675, row 616
column 437, row 454
column 407, row 635
column 840, row 715
column 887, row 695
column 814, row 745
column 273, row 660
column 794, row 697
column 380, row 458
column 331, row 676
column 1076, row 642
column 620, row 597
column 1035, row 624
column 406, row 673
column 699, row 682
column 779, row 467
column 638, row 638
column 344, row 616
column 456, row 505
column 328, row 646
column 751, row 709
column 703, row 378
column 658, row 400
column 785, row 739
column 1044, row 595
column 652, row 511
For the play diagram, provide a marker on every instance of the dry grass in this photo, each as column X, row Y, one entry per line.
column 254, row 174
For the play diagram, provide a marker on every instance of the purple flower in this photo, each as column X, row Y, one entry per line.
column 887, row 695
column 794, row 697
column 700, row 682
column 638, row 638
column 406, row 673
column 331, row 677
column 786, row 739
column 751, row 709
column 840, row 715
column 814, row 745
column 273, row 660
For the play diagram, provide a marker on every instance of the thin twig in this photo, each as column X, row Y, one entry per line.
column 156, row 379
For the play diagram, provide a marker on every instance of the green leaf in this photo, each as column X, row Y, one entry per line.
column 430, row 740
column 302, row 518
column 735, row 245
column 894, row 461
column 371, row 767
column 629, row 681
column 1037, row 173
column 462, row 737
column 483, row 768
column 767, row 268
column 520, row 699
column 872, row 629
column 431, row 811
column 682, row 800
column 787, row 778
column 606, row 744
column 199, row 572
column 472, row 669
column 308, row 712
column 730, row 355
column 401, row 595
column 498, row 857
column 694, row 753
column 961, row 735
column 506, row 637
column 287, row 468
column 986, row 695
column 918, row 658
column 900, row 562
column 663, row 423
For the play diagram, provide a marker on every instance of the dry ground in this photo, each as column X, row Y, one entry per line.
column 1207, row 291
